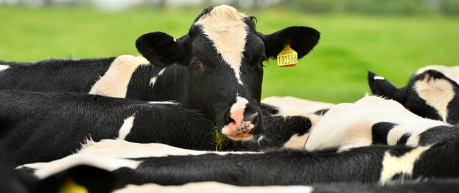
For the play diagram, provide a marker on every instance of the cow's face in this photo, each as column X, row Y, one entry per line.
column 429, row 94
column 224, row 55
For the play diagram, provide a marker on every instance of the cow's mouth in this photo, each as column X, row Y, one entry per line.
column 241, row 129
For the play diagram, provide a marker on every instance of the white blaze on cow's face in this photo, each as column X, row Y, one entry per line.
column 226, row 29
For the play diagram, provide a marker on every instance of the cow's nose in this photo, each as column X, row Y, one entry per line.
column 254, row 120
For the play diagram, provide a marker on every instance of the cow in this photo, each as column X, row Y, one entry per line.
column 215, row 68
column 375, row 120
column 451, row 72
column 33, row 124
column 429, row 94
column 380, row 164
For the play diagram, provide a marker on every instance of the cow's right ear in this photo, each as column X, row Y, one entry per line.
column 80, row 178
column 161, row 49
column 380, row 86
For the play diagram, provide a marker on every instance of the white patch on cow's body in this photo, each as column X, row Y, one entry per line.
column 292, row 104
column 44, row 170
column 378, row 78
column 4, row 67
column 296, row 141
column 392, row 165
column 164, row 102
column 350, row 125
column 153, row 80
column 126, row 127
column 437, row 93
column 225, row 27
column 115, row 81
column 111, row 154
column 212, row 187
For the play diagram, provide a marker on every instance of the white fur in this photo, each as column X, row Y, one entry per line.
column 115, row 81
column 288, row 104
column 109, row 154
column 213, row 187
column 126, row 127
column 349, row 125
column 226, row 29
column 4, row 67
column 153, row 80
column 404, row 164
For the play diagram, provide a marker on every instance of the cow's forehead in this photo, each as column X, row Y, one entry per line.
column 226, row 29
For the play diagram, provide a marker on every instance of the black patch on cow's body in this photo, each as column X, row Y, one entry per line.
column 55, row 75
column 268, row 109
column 403, row 139
column 380, row 132
column 437, row 134
column 321, row 112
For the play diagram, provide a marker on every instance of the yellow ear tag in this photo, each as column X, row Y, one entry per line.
column 287, row 57
column 71, row 187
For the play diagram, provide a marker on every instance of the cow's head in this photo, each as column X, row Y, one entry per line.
column 429, row 94
column 224, row 55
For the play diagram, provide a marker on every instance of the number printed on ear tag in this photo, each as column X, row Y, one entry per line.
column 287, row 57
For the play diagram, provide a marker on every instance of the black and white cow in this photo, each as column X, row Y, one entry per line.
column 34, row 124
column 375, row 120
column 429, row 94
column 371, row 164
column 297, row 106
column 215, row 68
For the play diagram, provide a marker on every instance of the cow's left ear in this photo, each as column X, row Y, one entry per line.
column 80, row 178
column 161, row 49
column 301, row 39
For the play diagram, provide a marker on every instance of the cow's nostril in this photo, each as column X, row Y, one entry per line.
column 252, row 118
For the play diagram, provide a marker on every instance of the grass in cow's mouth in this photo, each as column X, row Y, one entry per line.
column 218, row 138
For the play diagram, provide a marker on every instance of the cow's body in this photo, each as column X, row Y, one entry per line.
column 293, row 104
column 429, row 94
column 32, row 124
column 374, row 120
column 376, row 164
column 53, row 75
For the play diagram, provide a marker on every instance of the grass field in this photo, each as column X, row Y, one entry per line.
column 335, row 71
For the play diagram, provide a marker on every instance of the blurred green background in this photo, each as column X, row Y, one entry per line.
column 391, row 38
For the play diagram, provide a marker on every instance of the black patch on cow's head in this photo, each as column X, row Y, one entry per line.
column 379, row 132
column 381, row 86
column 404, row 139
column 218, row 76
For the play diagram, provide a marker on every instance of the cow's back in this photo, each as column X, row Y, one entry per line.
column 53, row 75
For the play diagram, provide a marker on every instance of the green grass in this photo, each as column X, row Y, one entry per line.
column 335, row 71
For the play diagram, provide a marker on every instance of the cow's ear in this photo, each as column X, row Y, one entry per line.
column 80, row 178
column 301, row 39
column 380, row 86
column 162, row 49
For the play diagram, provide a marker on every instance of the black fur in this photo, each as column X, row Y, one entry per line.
column 380, row 131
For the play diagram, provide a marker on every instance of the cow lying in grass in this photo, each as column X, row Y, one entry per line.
column 215, row 68
column 429, row 94
column 374, row 120
column 371, row 164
